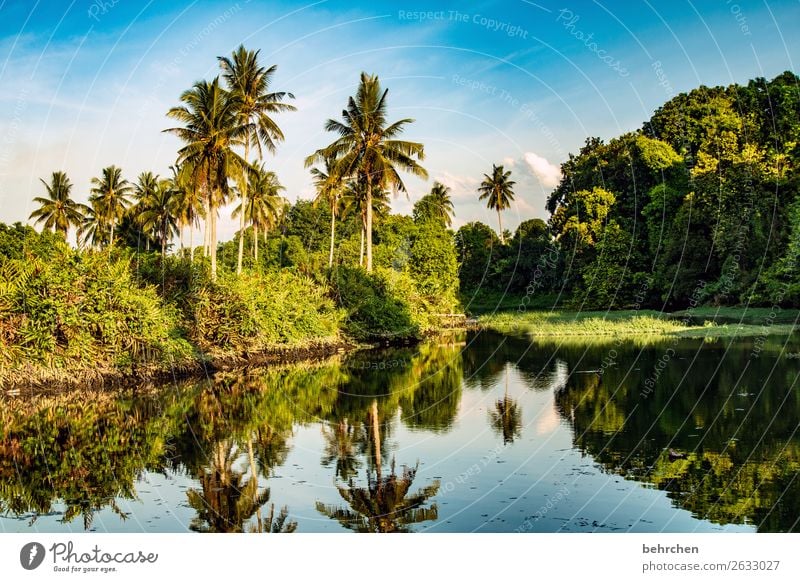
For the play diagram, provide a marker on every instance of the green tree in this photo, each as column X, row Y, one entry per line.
column 368, row 148
column 212, row 128
column 263, row 204
column 156, row 209
column 58, row 210
column 249, row 84
column 329, row 188
column 498, row 191
column 436, row 205
column 111, row 195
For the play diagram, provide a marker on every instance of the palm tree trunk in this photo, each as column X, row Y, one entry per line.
column 213, row 243
column 333, row 234
column 361, row 248
column 111, row 241
column 255, row 244
column 163, row 242
column 244, row 206
column 500, row 221
column 368, row 234
column 191, row 243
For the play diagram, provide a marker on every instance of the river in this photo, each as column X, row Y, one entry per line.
column 467, row 432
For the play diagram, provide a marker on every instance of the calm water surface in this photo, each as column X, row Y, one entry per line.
column 477, row 432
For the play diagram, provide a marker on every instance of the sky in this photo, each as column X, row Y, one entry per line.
column 86, row 84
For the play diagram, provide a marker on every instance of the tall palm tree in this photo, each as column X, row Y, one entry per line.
column 263, row 204
column 249, row 83
column 58, row 211
column 498, row 192
column 367, row 148
column 156, row 210
column 329, row 189
column 111, row 192
column 211, row 129
column 436, row 205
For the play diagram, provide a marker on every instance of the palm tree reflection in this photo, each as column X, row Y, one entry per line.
column 385, row 505
column 506, row 418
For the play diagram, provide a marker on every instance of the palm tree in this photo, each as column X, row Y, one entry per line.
column 156, row 209
column 188, row 203
column 498, row 192
column 93, row 229
column 249, row 83
column 262, row 205
column 111, row 193
column 436, row 205
column 354, row 200
column 367, row 148
column 58, row 211
column 329, row 189
column 211, row 129
column 144, row 190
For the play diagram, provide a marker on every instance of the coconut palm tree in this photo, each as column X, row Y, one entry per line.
column 111, row 192
column 436, row 205
column 329, row 190
column 156, row 209
column 211, row 130
column 263, row 204
column 367, row 148
column 58, row 211
column 249, row 83
column 188, row 203
column 354, row 201
column 93, row 229
column 498, row 192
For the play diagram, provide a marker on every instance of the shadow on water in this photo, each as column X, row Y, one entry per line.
column 713, row 427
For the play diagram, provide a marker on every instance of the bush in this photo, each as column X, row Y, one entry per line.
column 252, row 312
column 375, row 304
column 83, row 311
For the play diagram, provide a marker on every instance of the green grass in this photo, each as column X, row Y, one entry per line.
column 744, row 315
column 593, row 324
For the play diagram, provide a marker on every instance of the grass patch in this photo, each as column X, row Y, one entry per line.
column 541, row 324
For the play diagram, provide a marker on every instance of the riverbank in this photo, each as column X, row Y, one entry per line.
column 705, row 323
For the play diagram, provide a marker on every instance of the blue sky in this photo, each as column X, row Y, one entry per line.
column 85, row 84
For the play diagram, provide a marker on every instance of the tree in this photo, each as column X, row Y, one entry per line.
column 368, row 150
column 212, row 127
column 435, row 205
column 498, row 192
column 329, row 189
column 188, row 202
column 110, row 193
column 156, row 209
column 249, row 84
column 263, row 205
column 58, row 211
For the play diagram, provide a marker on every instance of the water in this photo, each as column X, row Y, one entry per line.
column 477, row 432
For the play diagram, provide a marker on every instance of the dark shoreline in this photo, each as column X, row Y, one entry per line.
column 37, row 380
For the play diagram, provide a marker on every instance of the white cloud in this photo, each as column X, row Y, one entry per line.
column 548, row 174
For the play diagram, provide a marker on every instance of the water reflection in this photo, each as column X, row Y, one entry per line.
column 717, row 432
